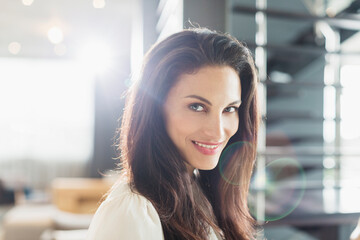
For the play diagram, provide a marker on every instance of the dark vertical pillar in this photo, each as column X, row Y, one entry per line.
column 108, row 109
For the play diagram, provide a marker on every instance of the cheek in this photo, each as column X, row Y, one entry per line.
column 176, row 127
column 181, row 126
column 233, row 126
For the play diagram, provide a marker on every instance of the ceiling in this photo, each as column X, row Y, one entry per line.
column 79, row 21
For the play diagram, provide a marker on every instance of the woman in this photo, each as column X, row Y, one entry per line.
column 195, row 97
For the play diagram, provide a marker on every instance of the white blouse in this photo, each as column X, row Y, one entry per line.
column 127, row 215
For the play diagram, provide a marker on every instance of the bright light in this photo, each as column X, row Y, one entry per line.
column 329, row 131
column 99, row 3
column 328, row 75
column 350, row 128
column 329, row 102
column 329, row 200
column 350, row 117
column 27, row 2
column 46, row 109
column 96, row 55
column 55, row 35
column 280, row 77
column 349, row 200
column 171, row 18
column 329, row 162
column 14, row 48
column 136, row 48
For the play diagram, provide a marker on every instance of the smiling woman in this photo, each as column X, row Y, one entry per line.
column 201, row 114
column 195, row 97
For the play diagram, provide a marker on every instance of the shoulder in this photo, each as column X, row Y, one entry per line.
column 125, row 215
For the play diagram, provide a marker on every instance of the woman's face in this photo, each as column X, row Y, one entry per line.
column 201, row 114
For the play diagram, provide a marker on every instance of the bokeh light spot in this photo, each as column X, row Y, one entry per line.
column 14, row 48
column 55, row 35
column 27, row 2
column 99, row 3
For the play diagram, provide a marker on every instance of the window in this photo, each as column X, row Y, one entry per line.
column 46, row 109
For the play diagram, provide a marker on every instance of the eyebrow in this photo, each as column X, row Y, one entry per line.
column 208, row 102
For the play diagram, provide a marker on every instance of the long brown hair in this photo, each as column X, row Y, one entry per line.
column 154, row 165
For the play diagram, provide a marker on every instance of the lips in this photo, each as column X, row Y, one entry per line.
column 207, row 148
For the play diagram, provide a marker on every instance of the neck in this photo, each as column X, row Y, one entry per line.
column 190, row 169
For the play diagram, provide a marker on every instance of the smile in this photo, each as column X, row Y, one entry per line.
column 206, row 146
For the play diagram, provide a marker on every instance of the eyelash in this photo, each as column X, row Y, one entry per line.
column 195, row 106
column 235, row 109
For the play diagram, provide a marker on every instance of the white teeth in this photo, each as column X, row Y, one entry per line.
column 206, row 146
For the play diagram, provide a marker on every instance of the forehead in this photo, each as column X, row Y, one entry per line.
column 208, row 81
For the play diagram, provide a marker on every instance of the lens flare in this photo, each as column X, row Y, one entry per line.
column 234, row 152
column 283, row 191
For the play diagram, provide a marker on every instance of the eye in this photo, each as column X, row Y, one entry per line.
column 231, row 109
column 197, row 107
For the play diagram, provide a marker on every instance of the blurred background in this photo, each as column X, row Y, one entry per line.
column 64, row 67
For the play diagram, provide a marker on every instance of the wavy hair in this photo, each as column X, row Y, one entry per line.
column 188, row 206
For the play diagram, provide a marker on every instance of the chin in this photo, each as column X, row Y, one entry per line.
column 207, row 167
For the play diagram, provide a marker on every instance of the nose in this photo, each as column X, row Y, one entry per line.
column 213, row 127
